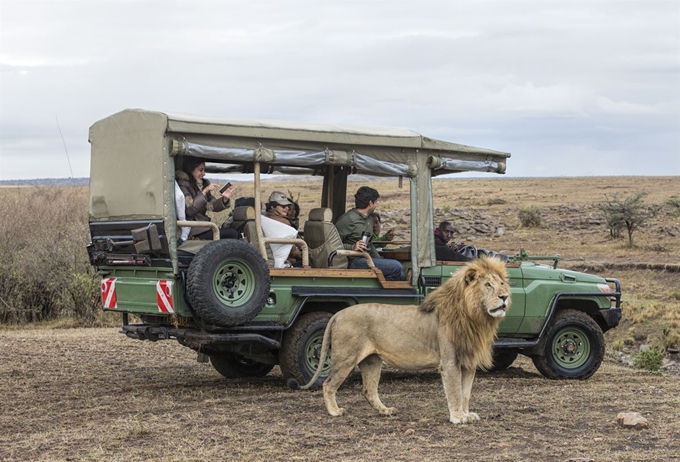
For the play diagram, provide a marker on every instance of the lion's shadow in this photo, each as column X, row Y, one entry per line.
column 391, row 375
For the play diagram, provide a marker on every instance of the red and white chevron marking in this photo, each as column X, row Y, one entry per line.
column 109, row 293
column 164, row 296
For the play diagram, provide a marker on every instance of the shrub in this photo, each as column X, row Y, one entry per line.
column 531, row 216
column 650, row 360
column 668, row 338
column 674, row 204
column 627, row 213
column 44, row 268
column 84, row 292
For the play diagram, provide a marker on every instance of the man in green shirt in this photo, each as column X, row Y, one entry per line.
column 354, row 223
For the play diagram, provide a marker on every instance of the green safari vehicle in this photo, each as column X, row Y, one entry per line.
column 224, row 299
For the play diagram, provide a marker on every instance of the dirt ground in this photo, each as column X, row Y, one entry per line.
column 93, row 394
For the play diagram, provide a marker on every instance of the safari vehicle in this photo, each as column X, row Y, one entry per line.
column 223, row 299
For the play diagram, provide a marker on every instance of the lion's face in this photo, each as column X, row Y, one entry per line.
column 495, row 294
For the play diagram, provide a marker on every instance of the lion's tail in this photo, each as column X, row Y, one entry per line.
column 294, row 384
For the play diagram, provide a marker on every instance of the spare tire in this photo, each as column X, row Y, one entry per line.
column 228, row 283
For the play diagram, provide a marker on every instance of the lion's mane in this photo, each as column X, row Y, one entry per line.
column 458, row 306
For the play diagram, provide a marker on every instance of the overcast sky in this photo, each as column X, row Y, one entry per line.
column 570, row 88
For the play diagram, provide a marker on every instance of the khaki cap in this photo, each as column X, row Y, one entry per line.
column 280, row 198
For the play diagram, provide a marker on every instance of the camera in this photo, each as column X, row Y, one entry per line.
column 225, row 187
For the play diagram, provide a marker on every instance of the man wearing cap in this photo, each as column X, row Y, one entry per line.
column 354, row 223
column 277, row 208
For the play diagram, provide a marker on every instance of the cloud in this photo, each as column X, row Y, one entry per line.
column 608, row 106
column 539, row 101
column 527, row 76
column 40, row 61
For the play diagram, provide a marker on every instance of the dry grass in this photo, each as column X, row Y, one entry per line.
column 92, row 394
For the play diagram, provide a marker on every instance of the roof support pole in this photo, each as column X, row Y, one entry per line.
column 258, row 211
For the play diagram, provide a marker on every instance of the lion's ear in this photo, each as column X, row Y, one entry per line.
column 470, row 275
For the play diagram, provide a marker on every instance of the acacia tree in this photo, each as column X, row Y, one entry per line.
column 627, row 213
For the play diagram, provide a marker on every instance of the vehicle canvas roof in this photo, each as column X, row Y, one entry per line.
column 133, row 157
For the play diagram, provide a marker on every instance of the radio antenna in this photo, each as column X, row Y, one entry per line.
column 68, row 159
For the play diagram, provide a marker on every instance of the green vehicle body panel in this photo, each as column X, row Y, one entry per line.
column 533, row 288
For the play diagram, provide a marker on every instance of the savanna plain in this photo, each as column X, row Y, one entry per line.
column 89, row 393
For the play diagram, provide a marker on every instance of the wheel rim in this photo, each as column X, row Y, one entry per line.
column 234, row 282
column 571, row 348
column 313, row 353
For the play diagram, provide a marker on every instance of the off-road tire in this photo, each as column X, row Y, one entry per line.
column 233, row 366
column 573, row 347
column 299, row 354
column 227, row 283
column 503, row 358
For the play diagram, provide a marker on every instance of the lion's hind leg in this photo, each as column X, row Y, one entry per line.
column 340, row 369
column 370, row 368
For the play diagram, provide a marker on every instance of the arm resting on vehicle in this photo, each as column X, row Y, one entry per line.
column 201, row 224
column 289, row 240
column 357, row 253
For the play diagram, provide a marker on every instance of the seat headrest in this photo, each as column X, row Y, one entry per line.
column 244, row 213
column 323, row 214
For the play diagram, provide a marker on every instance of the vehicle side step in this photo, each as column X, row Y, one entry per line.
column 514, row 343
column 155, row 333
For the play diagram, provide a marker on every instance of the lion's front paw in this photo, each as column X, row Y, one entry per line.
column 337, row 412
column 388, row 410
column 464, row 417
column 457, row 418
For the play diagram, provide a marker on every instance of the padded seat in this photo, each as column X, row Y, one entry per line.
column 244, row 223
column 322, row 238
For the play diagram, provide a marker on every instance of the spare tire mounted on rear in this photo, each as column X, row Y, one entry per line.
column 228, row 283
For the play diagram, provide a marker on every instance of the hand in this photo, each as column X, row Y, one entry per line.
column 389, row 235
column 456, row 245
column 229, row 192
column 360, row 246
column 209, row 188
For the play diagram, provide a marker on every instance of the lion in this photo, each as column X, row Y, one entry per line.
column 453, row 329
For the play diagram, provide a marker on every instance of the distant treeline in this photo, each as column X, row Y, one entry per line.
column 47, row 182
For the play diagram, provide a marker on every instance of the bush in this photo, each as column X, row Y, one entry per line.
column 674, row 204
column 44, row 267
column 650, row 360
column 668, row 338
column 627, row 213
column 85, row 292
column 531, row 216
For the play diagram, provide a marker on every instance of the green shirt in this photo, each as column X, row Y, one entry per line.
column 351, row 225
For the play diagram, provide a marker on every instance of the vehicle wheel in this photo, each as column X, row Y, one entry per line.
column 573, row 347
column 227, row 282
column 301, row 346
column 233, row 366
column 502, row 359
